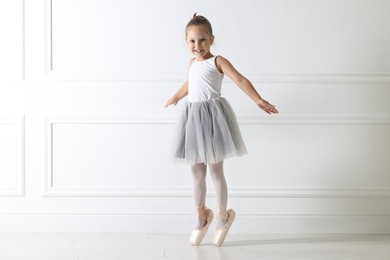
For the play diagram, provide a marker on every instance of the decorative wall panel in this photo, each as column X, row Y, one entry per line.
column 12, row 156
column 12, row 40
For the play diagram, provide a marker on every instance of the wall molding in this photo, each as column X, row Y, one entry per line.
column 50, row 74
column 149, row 222
column 320, row 78
column 19, row 74
column 292, row 119
column 19, row 189
column 144, row 222
column 234, row 192
column 284, row 78
column 190, row 213
column 322, row 119
column 48, row 15
column 51, row 191
column 179, row 192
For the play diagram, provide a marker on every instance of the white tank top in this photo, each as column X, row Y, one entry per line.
column 204, row 80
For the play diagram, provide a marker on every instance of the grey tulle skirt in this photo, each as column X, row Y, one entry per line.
column 207, row 132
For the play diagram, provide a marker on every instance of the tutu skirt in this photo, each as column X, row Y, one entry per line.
column 207, row 132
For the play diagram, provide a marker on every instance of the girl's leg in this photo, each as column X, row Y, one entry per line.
column 204, row 216
column 221, row 192
column 199, row 192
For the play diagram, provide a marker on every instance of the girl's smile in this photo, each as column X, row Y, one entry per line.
column 199, row 42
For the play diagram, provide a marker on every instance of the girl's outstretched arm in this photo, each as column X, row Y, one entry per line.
column 224, row 66
column 182, row 92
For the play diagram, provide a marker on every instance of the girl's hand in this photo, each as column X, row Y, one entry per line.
column 171, row 101
column 267, row 107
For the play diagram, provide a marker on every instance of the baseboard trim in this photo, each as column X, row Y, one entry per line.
column 182, row 223
column 235, row 192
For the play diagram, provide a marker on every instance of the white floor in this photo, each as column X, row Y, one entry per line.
column 80, row 246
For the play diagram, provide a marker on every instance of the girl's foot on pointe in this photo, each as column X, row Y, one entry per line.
column 221, row 217
column 204, row 217
column 222, row 231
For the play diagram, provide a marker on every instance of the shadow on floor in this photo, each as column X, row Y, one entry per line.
column 308, row 239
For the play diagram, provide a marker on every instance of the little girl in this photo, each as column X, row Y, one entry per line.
column 207, row 131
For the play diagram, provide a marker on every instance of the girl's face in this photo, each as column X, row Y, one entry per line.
column 199, row 42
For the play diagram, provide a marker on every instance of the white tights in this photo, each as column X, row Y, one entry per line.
column 200, row 188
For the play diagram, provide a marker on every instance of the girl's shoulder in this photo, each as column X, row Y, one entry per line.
column 220, row 59
column 220, row 62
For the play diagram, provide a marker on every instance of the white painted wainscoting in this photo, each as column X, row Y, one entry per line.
column 84, row 138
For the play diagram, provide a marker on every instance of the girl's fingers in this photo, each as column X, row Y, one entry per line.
column 271, row 109
column 170, row 102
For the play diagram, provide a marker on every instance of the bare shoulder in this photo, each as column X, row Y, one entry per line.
column 223, row 65
column 220, row 60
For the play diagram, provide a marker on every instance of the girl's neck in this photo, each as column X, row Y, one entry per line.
column 206, row 57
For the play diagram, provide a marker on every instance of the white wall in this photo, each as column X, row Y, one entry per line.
column 84, row 137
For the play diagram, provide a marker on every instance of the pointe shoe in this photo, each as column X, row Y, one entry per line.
column 198, row 234
column 221, row 232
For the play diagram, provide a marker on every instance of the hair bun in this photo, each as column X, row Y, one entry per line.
column 200, row 20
